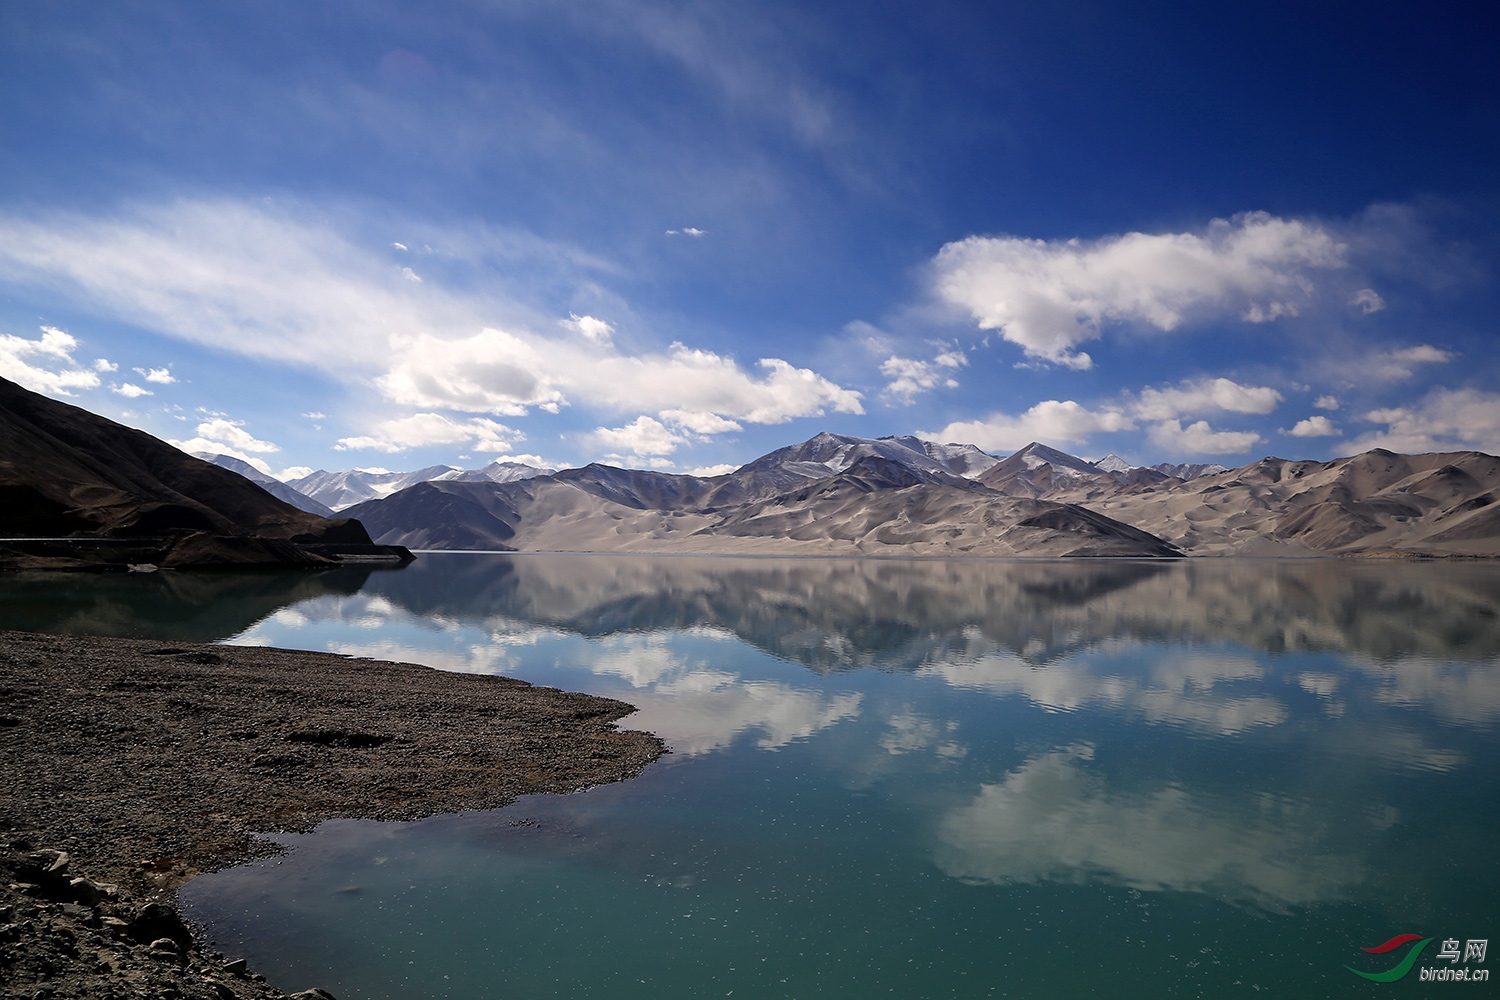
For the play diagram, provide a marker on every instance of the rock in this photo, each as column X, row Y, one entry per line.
column 78, row 911
column 87, row 891
column 237, row 967
column 60, row 865
column 155, row 921
column 312, row 994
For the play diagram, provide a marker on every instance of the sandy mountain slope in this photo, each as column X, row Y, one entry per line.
column 1375, row 504
column 1042, row 472
column 66, row 471
column 874, row 507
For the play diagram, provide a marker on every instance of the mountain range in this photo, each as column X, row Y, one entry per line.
column 65, row 472
column 900, row 495
column 82, row 491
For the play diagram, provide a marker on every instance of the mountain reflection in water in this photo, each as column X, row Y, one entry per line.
column 1208, row 759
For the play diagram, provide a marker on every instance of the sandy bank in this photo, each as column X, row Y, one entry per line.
column 148, row 763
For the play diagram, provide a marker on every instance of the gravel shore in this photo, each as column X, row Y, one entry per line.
column 131, row 766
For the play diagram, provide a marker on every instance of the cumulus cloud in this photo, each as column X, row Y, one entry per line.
column 1326, row 403
column 698, row 422
column 1318, row 426
column 1197, row 396
column 709, row 471
column 595, row 329
column 221, row 436
column 45, row 365
column 1049, row 297
column 269, row 283
column 130, row 390
column 1050, row 422
column 501, row 372
column 233, row 433
column 105, row 365
column 1367, row 301
column 642, row 436
column 161, row 376
column 1201, row 439
column 1443, row 420
column 422, row 429
column 911, row 377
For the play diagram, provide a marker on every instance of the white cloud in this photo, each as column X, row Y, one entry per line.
column 399, row 246
column 221, row 436
column 161, row 376
column 1444, row 420
column 642, row 436
column 411, row 275
column 500, row 372
column 595, row 329
column 1050, row 422
column 1393, row 365
column 233, row 433
column 1201, row 439
column 699, row 423
column 687, row 231
column 292, row 472
column 709, row 471
column 105, row 365
column 1367, row 301
column 55, row 349
column 130, row 390
column 1048, row 297
column 267, row 282
column 910, row 377
column 1326, row 403
column 1197, row 396
column 422, row 429
column 1318, row 426
column 315, row 415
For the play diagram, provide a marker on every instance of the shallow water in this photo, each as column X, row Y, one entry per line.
column 906, row 778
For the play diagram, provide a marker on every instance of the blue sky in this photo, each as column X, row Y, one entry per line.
column 678, row 235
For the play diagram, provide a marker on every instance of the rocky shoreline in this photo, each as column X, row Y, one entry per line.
column 132, row 766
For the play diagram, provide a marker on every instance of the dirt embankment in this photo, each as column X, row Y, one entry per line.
column 131, row 766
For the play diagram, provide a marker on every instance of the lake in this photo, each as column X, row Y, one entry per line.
column 914, row 778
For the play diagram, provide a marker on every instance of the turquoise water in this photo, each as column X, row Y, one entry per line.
column 905, row 778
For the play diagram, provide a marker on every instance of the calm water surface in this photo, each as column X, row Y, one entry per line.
column 905, row 778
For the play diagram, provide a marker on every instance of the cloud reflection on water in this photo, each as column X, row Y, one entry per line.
column 1053, row 820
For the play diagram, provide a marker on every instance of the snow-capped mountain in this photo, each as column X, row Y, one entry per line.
column 270, row 484
column 340, row 490
column 1188, row 470
column 825, row 454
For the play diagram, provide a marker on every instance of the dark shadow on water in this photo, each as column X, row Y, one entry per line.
column 191, row 607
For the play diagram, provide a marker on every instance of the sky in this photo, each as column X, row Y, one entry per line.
column 679, row 235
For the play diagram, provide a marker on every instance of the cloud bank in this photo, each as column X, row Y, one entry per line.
column 281, row 284
column 1050, row 296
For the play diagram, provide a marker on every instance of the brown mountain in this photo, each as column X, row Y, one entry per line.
column 1375, row 504
column 65, row 472
column 875, row 506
